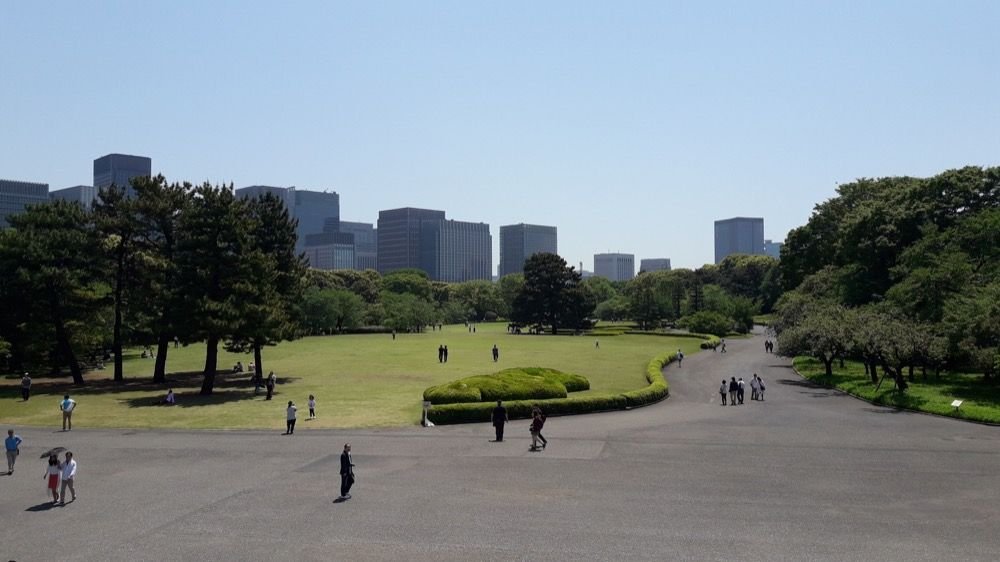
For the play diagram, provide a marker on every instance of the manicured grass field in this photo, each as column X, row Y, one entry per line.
column 358, row 380
column 981, row 398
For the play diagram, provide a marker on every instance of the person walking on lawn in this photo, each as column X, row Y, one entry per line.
column 499, row 419
column 346, row 473
column 25, row 387
column 271, row 380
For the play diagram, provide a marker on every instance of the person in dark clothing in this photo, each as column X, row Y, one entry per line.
column 346, row 473
column 733, row 387
column 722, row 391
column 740, row 389
column 446, row 354
column 499, row 419
column 26, row 386
column 440, row 354
column 537, row 412
column 496, row 353
column 270, row 385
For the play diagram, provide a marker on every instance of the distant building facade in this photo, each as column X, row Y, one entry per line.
column 119, row 169
column 654, row 264
column 316, row 211
column 330, row 250
column 773, row 249
column 16, row 195
column 85, row 195
column 398, row 240
column 614, row 267
column 738, row 235
column 365, row 243
column 455, row 251
column 518, row 242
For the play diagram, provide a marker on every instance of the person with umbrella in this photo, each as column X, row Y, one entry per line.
column 13, row 445
column 52, row 473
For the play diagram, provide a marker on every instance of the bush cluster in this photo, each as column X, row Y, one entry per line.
column 520, row 409
column 529, row 383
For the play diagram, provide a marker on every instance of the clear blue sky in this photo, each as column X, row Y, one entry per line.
column 631, row 126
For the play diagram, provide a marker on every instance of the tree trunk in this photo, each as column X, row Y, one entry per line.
column 873, row 372
column 160, row 369
column 841, row 362
column 257, row 362
column 116, row 343
column 910, row 374
column 828, row 363
column 66, row 350
column 211, row 364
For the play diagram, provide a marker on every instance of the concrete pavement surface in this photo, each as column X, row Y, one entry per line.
column 809, row 474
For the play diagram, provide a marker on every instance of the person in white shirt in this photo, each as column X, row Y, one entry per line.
column 68, row 474
column 312, row 407
column 754, row 387
column 290, row 418
column 760, row 382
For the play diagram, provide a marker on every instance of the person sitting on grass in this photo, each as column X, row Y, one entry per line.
column 170, row 400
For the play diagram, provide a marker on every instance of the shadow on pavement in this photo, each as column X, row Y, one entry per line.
column 42, row 506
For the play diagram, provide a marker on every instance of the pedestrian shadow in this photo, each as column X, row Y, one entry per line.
column 42, row 506
column 340, row 500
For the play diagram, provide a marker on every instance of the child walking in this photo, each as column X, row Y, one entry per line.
column 312, row 407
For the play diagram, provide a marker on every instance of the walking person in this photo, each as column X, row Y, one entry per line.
column 312, row 407
column 722, row 391
column 760, row 381
column 441, row 354
column 499, row 419
column 52, row 473
column 25, row 387
column 346, row 473
column 732, row 391
column 290, row 414
column 754, row 387
column 537, row 412
column 13, row 446
column 740, row 390
column 496, row 353
column 68, row 476
column 67, row 406
column 446, row 354
column 680, row 357
column 723, row 344
column 535, row 428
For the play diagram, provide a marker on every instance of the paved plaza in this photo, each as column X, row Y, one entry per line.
column 810, row 474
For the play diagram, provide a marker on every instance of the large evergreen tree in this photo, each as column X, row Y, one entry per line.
column 552, row 295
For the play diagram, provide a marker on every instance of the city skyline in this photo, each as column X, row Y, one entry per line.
column 629, row 126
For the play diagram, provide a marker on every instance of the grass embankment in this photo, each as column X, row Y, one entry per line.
column 358, row 380
column 981, row 398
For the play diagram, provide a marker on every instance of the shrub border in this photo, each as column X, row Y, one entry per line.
column 658, row 389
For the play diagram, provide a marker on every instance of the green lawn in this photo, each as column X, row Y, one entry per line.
column 981, row 398
column 358, row 380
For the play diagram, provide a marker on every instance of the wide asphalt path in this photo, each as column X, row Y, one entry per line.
column 810, row 474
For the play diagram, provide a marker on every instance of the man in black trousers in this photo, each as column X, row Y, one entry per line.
column 499, row 419
column 346, row 473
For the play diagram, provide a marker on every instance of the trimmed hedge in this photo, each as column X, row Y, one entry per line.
column 519, row 409
column 528, row 383
column 709, row 341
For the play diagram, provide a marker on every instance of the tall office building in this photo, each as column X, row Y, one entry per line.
column 399, row 233
column 773, row 249
column 614, row 267
column 119, row 169
column 365, row 243
column 316, row 211
column 654, row 264
column 518, row 242
column 739, row 235
column 455, row 251
column 85, row 195
column 16, row 195
column 330, row 250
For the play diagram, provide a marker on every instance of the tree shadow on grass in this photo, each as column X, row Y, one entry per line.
column 233, row 391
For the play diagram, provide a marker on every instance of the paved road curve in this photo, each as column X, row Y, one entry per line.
column 808, row 475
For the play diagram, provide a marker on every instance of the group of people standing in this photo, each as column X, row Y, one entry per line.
column 736, row 388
